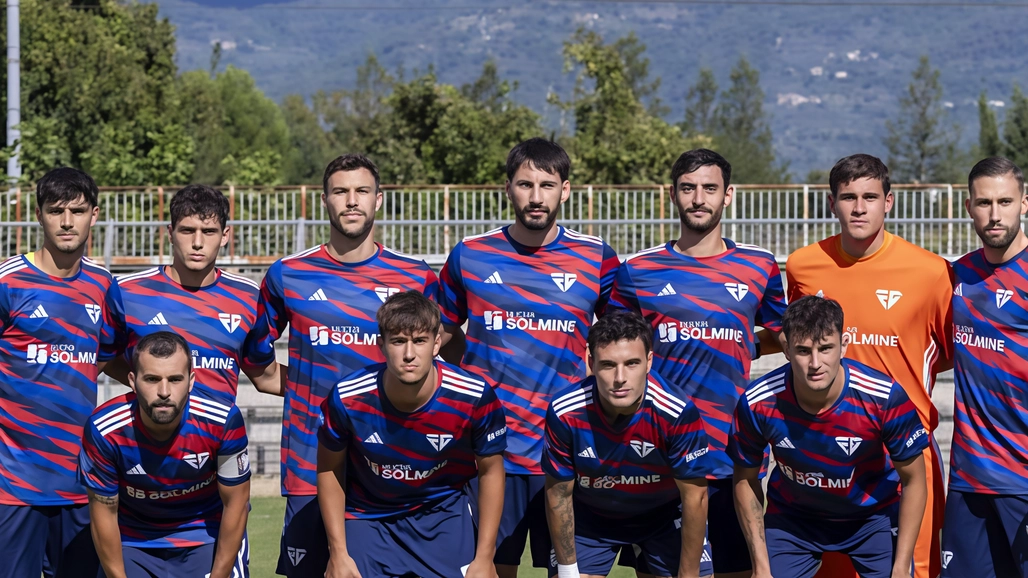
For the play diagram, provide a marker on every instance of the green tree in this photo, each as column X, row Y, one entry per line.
column 311, row 147
column 989, row 143
column 1015, row 129
column 920, row 141
column 701, row 103
column 741, row 131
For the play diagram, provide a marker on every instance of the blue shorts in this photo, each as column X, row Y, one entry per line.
column 49, row 540
column 985, row 536
column 795, row 544
column 524, row 517
column 194, row 561
column 650, row 542
column 303, row 549
column 435, row 542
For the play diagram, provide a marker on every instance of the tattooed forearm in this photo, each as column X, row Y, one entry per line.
column 109, row 501
column 560, row 514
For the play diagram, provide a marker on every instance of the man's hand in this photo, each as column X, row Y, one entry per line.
column 481, row 568
column 342, row 566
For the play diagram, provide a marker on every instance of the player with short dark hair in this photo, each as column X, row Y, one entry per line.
column 60, row 316
column 987, row 505
column 625, row 463
column 703, row 296
column 167, row 472
column 834, row 425
column 399, row 442
column 327, row 296
column 528, row 292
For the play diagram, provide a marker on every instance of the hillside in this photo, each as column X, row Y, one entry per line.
column 832, row 75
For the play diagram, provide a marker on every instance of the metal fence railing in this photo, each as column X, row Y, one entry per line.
column 427, row 221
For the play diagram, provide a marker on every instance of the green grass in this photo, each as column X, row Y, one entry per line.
column 265, row 529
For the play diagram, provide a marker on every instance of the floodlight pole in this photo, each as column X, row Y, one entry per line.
column 13, row 89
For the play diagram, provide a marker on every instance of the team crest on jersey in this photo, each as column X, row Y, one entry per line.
column 197, row 460
column 848, row 444
column 564, row 280
column 888, row 297
column 439, row 441
column 385, row 292
column 93, row 311
column 230, row 321
column 295, row 554
column 738, row 290
column 641, row 448
column 1002, row 296
column 947, row 557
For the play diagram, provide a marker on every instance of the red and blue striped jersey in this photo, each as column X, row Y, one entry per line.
column 54, row 331
column 528, row 311
column 214, row 321
column 990, row 431
column 400, row 462
column 167, row 490
column 834, row 465
column 627, row 469
column 703, row 312
column 330, row 310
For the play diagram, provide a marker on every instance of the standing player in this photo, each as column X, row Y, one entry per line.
column 528, row 292
column 897, row 299
column 987, row 506
column 59, row 325
column 623, row 457
column 400, row 441
column 703, row 295
column 328, row 297
column 167, row 473
column 212, row 309
column 834, row 424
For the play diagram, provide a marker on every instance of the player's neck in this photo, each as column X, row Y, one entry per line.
column 56, row 263
column 409, row 398
column 695, row 244
column 183, row 276
column 348, row 250
column 615, row 416
column 532, row 238
column 997, row 256
column 815, row 402
column 858, row 249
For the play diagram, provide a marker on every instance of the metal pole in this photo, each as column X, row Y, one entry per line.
column 13, row 89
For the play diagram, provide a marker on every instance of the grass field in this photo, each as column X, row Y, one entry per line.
column 265, row 529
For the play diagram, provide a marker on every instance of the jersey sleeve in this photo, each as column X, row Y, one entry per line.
column 453, row 298
column 431, row 289
column 746, row 442
column 5, row 307
column 609, row 267
column 97, row 463
column 903, row 433
column 772, row 306
column 942, row 320
column 794, row 288
column 557, row 449
column 259, row 346
column 489, row 435
column 334, row 429
column 233, row 459
column 114, row 332
column 688, row 445
column 622, row 294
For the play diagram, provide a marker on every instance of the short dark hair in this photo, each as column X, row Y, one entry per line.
column 407, row 312
column 690, row 161
column 64, row 185
column 349, row 162
column 812, row 316
column 859, row 166
column 995, row 167
column 620, row 325
column 545, row 155
column 162, row 345
column 199, row 201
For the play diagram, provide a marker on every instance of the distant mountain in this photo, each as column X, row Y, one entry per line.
column 832, row 75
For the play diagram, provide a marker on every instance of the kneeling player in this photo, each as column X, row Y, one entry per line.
column 167, row 473
column 621, row 454
column 399, row 442
column 832, row 424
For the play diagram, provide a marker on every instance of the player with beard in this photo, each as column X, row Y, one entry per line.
column 528, row 292
column 703, row 295
column 897, row 297
column 167, row 472
column 328, row 297
column 987, row 504
column 59, row 325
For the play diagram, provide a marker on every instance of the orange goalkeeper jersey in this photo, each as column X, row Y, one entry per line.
column 897, row 308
